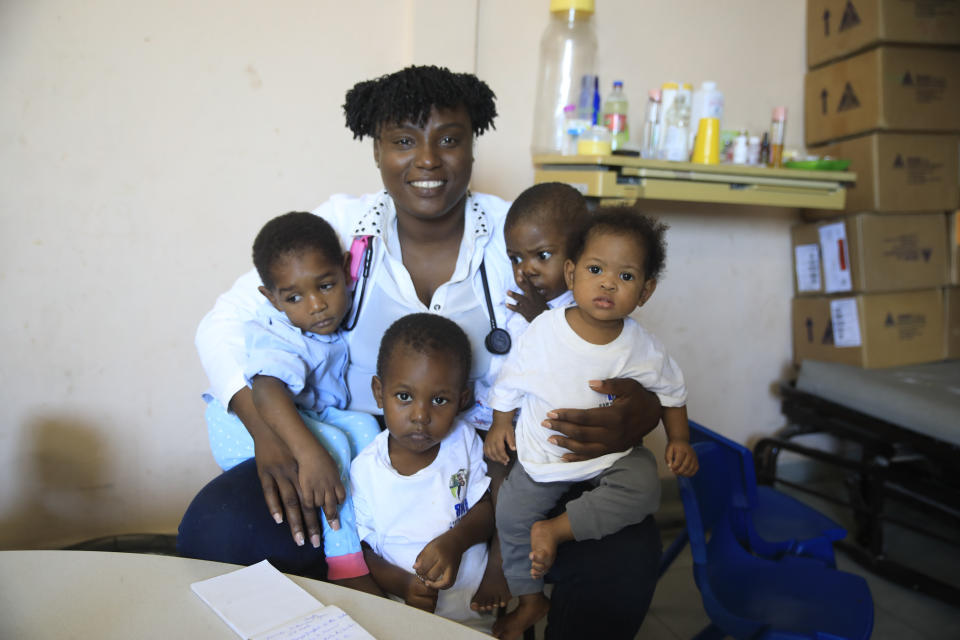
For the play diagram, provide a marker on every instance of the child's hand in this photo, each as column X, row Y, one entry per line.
column 420, row 595
column 438, row 563
column 498, row 439
column 681, row 458
column 320, row 484
column 530, row 303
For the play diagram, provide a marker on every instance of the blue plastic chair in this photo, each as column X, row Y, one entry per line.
column 767, row 522
column 771, row 523
column 750, row 597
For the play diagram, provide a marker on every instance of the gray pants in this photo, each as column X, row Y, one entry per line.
column 622, row 495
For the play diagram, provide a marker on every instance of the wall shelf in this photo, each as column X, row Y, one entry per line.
column 625, row 179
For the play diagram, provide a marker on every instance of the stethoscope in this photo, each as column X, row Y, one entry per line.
column 497, row 341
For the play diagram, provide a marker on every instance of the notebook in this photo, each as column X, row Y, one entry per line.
column 260, row 603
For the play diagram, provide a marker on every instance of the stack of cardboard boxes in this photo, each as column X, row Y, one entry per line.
column 878, row 286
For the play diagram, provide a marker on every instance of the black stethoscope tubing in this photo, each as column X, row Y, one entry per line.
column 497, row 341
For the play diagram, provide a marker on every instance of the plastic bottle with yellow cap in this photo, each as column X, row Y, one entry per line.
column 568, row 51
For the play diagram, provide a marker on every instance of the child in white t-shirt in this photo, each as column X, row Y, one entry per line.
column 420, row 489
column 613, row 272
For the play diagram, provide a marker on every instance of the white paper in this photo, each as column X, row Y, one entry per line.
column 260, row 602
column 846, row 322
column 836, row 258
column 330, row 623
column 808, row 267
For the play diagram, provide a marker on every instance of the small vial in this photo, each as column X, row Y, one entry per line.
column 753, row 150
column 778, row 125
column 740, row 149
column 765, row 149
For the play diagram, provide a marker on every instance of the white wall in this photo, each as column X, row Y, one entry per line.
column 143, row 144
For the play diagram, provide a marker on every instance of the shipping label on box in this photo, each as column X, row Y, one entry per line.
column 870, row 330
column 836, row 259
column 869, row 253
column 807, row 261
column 888, row 88
column 836, row 28
column 900, row 172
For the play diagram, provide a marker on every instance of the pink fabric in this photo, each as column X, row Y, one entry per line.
column 350, row 565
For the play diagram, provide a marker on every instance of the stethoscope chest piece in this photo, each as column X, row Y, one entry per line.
column 498, row 341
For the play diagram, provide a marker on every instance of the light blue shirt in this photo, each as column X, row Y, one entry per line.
column 313, row 366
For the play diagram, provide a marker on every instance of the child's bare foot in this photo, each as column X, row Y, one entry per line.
column 532, row 607
column 493, row 591
column 545, row 537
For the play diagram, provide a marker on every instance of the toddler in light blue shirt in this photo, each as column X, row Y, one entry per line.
column 296, row 368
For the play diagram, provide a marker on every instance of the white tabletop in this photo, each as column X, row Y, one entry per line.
column 91, row 594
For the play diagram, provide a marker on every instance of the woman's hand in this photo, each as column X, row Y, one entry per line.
column 589, row 433
column 530, row 303
column 277, row 469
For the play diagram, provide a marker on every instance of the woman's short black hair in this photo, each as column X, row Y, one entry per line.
column 649, row 233
column 426, row 333
column 410, row 94
column 293, row 233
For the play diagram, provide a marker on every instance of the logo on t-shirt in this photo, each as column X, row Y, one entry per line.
column 458, row 483
column 606, row 402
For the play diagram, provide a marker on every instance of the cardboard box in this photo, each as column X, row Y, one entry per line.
column 887, row 88
column 870, row 330
column 900, row 172
column 836, row 28
column 953, row 240
column 869, row 253
column 951, row 305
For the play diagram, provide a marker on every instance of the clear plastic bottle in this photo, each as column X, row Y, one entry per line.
column 568, row 51
column 667, row 93
column 650, row 139
column 615, row 109
column 676, row 125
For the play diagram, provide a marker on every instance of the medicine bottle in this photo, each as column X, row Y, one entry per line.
column 676, row 124
column 707, row 103
column 568, row 51
column 615, row 109
column 778, row 125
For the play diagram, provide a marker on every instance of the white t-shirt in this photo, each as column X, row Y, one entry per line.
column 389, row 294
column 398, row 515
column 480, row 415
column 548, row 368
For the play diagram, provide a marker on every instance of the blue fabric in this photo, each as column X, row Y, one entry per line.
column 313, row 366
column 342, row 433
